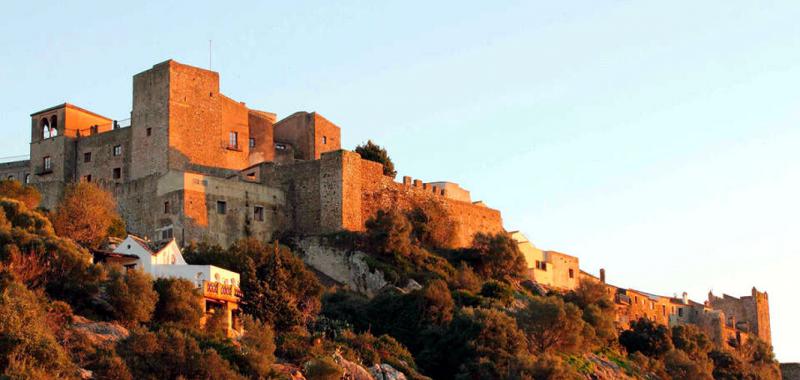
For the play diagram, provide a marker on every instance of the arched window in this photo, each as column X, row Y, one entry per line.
column 27, row 179
column 45, row 125
column 54, row 126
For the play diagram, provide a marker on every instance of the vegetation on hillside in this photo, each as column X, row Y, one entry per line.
column 472, row 318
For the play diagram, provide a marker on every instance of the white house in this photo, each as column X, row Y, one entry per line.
column 220, row 287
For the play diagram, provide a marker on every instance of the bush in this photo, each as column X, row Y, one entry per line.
column 466, row 279
column 85, row 214
column 389, row 233
column 28, row 348
column 179, row 301
column 374, row 152
column 24, row 193
column 130, row 295
column 347, row 306
column 258, row 347
column 647, row 337
column 551, row 325
column 278, row 288
column 494, row 256
column 34, row 254
column 479, row 343
column 499, row 291
column 170, row 354
column 680, row 366
column 322, row 368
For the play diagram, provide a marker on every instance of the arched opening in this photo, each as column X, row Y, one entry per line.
column 54, row 126
column 45, row 125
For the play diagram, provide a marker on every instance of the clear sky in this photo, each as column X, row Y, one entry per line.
column 659, row 140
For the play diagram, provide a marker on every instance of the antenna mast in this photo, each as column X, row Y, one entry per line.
column 209, row 54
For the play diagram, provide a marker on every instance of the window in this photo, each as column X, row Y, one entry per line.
column 87, row 178
column 93, row 130
column 45, row 126
column 664, row 310
column 87, row 157
column 117, row 150
column 541, row 265
column 280, row 146
column 149, row 131
column 47, row 164
column 11, row 177
column 222, row 207
column 258, row 213
column 680, row 312
column 166, row 207
column 233, row 140
column 252, row 142
column 166, row 234
column 324, row 139
column 27, row 179
column 117, row 173
column 571, row 273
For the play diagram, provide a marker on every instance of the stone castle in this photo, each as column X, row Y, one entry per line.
column 192, row 164
column 196, row 165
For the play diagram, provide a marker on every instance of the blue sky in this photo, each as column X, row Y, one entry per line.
column 659, row 141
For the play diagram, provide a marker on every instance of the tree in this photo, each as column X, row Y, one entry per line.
column 172, row 354
column 24, row 193
column 374, row 152
column 85, row 214
column 551, row 325
column 478, row 344
column 30, row 249
column 28, row 347
column 179, row 301
column 466, row 278
column 692, row 341
column 495, row 256
column 130, row 295
column 258, row 347
column 390, row 233
column 679, row 366
column 647, row 337
column 278, row 288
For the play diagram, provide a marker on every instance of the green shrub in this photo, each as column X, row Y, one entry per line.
column 322, row 368
column 130, row 295
column 179, row 301
column 374, row 152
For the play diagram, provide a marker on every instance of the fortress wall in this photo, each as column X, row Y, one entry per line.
column 365, row 180
column 15, row 170
column 103, row 161
column 753, row 309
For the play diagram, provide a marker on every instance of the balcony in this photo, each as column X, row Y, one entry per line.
column 220, row 291
column 41, row 170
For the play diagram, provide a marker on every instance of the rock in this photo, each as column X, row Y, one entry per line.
column 98, row 333
column 790, row 371
column 85, row 374
column 343, row 266
column 386, row 372
column 289, row 371
column 352, row 370
column 412, row 286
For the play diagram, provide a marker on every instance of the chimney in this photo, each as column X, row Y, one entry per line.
column 685, row 298
column 603, row 275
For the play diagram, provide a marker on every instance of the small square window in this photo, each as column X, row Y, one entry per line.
column 117, row 150
column 87, row 178
column 149, row 131
column 324, row 139
column 258, row 213
column 117, row 173
column 87, row 157
column 252, row 142
column 571, row 273
column 166, row 207
column 222, row 207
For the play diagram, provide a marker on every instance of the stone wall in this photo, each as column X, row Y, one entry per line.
column 309, row 133
column 150, row 121
column 753, row 310
column 18, row 170
column 102, row 160
column 346, row 267
column 341, row 191
column 260, row 124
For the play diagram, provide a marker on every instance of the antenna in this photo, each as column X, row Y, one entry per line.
column 209, row 54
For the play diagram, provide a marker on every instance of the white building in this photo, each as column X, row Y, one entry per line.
column 219, row 287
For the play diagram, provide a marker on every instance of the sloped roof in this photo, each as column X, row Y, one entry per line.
column 152, row 247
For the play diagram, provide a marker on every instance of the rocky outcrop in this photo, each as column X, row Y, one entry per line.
column 98, row 333
column 347, row 267
column 386, row 372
